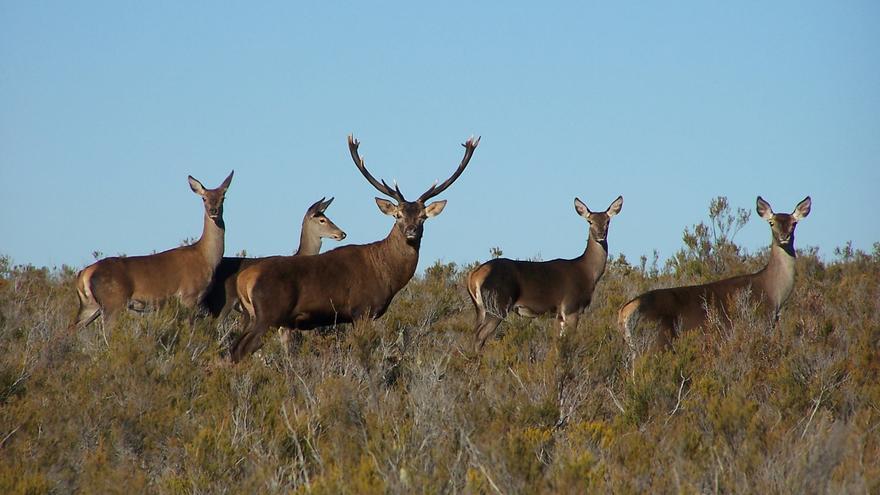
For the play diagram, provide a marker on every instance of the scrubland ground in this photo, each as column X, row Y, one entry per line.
column 401, row 405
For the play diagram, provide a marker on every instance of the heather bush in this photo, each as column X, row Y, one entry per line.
column 401, row 405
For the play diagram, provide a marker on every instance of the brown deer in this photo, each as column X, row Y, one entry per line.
column 532, row 288
column 347, row 283
column 114, row 284
column 221, row 298
column 677, row 309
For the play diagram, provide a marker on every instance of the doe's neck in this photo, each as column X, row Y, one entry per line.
column 595, row 257
column 309, row 243
column 777, row 278
column 212, row 243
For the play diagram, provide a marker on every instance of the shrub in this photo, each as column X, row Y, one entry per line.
column 400, row 405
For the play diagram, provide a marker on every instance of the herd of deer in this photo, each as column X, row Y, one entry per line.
column 308, row 290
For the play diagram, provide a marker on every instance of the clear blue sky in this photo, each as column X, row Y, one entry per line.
column 105, row 107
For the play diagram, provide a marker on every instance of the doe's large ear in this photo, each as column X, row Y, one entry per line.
column 764, row 209
column 325, row 204
column 434, row 209
column 386, row 207
column 615, row 207
column 802, row 209
column 581, row 208
column 226, row 182
column 196, row 186
column 315, row 207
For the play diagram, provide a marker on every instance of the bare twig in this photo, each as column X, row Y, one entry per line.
column 816, row 403
column 474, row 454
column 678, row 402
column 299, row 452
column 521, row 384
column 6, row 437
column 616, row 403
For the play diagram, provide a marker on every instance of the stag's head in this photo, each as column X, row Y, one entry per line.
column 599, row 221
column 213, row 198
column 318, row 223
column 782, row 224
column 410, row 216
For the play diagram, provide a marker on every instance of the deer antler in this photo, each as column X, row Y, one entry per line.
column 469, row 146
column 381, row 186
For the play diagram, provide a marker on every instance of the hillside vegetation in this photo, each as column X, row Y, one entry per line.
column 401, row 405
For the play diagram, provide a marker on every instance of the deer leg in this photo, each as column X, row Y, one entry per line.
column 478, row 324
column 112, row 304
column 227, row 307
column 665, row 333
column 111, row 314
column 480, row 317
column 230, row 299
column 486, row 329
column 84, row 317
column 567, row 321
column 88, row 311
column 250, row 341
column 138, row 306
column 245, row 319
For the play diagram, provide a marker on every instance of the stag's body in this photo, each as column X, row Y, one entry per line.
column 222, row 297
column 677, row 309
column 114, row 284
column 345, row 284
column 563, row 287
column 372, row 274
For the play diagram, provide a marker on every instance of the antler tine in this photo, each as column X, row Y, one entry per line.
column 469, row 146
column 382, row 187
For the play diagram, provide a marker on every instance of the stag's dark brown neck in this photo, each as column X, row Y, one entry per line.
column 211, row 244
column 594, row 257
column 396, row 257
column 309, row 242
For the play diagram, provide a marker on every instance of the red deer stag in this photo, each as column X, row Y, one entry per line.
column 221, row 299
column 347, row 283
column 531, row 288
column 677, row 309
column 114, row 284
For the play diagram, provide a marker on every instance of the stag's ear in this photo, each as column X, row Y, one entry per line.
column 802, row 209
column 434, row 209
column 386, row 207
column 764, row 209
column 223, row 187
column 196, row 186
column 615, row 207
column 581, row 208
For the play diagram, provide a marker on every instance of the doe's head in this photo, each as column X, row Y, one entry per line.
column 599, row 221
column 318, row 223
column 212, row 198
column 782, row 225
